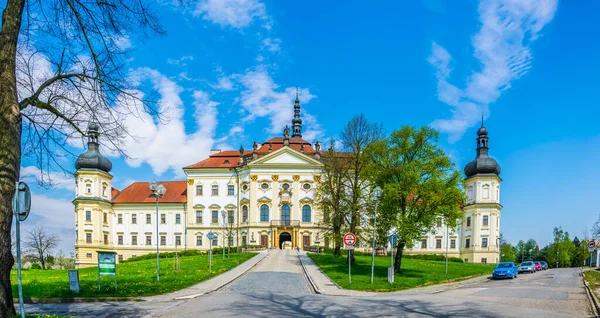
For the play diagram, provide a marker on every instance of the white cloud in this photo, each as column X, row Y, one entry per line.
column 232, row 13
column 58, row 180
column 156, row 142
column 224, row 84
column 181, row 61
column 502, row 46
column 271, row 45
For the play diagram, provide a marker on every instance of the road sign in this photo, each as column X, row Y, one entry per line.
column 349, row 248
column 393, row 239
column 591, row 244
column 21, row 201
column 211, row 236
column 349, row 239
column 591, row 249
column 107, row 265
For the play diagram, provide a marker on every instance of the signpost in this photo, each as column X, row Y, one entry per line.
column 21, row 204
column 211, row 237
column 107, row 265
column 591, row 248
column 74, row 280
column 349, row 241
column 392, row 239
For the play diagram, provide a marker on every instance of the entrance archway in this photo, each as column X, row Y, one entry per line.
column 284, row 237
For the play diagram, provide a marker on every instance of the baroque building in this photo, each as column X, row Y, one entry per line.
column 477, row 238
column 262, row 197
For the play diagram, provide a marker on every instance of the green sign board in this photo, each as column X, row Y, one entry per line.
column 107, row 265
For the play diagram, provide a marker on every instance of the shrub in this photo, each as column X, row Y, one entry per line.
column 36, row 266
column 433, row 257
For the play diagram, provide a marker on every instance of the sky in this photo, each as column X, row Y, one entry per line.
column 229, row 70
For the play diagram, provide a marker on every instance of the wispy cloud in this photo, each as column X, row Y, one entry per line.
column 233, row 13
column 53, row 179
column 271, row 45
column 181, row 61
column 503, row 47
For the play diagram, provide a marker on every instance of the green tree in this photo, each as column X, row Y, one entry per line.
column 419, row 182
column 508, row 253
column 561, row 249
column 82, row 44
column 580, row 252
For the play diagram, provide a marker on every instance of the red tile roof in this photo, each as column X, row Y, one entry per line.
column 113, row 192
column 139, row 192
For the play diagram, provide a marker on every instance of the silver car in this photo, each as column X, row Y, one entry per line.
column 527, row 267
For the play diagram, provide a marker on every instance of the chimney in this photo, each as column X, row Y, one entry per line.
column 214, row 151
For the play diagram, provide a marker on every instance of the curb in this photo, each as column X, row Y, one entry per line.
column 74, row 300
column 591, row 297
column 310, row 281
column 224, row 285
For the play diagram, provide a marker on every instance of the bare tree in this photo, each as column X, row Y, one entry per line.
column 40, row 244
column 62, row 65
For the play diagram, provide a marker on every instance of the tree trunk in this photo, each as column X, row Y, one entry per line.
column 398, row 257
column 10, row 144
column 42, row 261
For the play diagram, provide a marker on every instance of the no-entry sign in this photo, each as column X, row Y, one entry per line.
column 349, row 239
column 591, row 244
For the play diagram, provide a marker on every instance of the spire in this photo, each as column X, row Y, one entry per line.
column 297, row 121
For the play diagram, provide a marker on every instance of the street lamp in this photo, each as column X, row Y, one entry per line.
column 377, row 193
column 158, row 190
column 223, row 215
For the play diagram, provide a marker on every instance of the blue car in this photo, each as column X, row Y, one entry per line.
column 505, row 270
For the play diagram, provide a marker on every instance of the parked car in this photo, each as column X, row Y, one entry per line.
column 538, row 266
column 526, row 267
column 505, row 270
column 544, row 265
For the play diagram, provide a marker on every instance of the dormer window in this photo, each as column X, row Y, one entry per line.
column 104, row 188
column 226, row 161
column 88, row 188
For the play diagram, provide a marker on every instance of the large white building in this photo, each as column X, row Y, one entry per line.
column 264, row 196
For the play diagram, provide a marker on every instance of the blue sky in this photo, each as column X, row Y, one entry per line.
column 230, row 70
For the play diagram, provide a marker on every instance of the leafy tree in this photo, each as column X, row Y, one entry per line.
column 561, row 249
column 508, row 253
column 419, row 182
column 81, row 42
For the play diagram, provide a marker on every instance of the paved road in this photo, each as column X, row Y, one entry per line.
column 276, row 287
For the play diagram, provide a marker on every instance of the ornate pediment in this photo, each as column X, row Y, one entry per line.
column 264, row 199
column 230, row 206
column 306, row 200
column 199, row 207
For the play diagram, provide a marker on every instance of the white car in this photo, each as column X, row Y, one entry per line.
column 527, row 267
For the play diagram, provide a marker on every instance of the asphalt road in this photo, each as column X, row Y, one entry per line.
column 276, row 287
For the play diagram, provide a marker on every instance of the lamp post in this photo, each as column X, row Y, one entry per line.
column 447, row 243
column 377, row 192
column 158, row 190
column 530, row 254
column 223, row 215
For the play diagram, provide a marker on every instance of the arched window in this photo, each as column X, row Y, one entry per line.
column 245, row 213
column 306, row 213
column 264, row 213
column 285, row 214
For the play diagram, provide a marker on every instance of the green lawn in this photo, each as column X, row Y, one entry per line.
column 593, row 278
column 133, row 278
column 415, row 272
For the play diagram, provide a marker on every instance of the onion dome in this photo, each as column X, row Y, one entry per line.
column 483, row 163
column 93, row 159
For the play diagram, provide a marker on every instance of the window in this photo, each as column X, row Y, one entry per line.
column 452, row 243
column 423, row 243
column 88, row 255
column 484, row 260
column 177, row 240
column 285, row 213
column 485, row 220
column 468, row 221
column 215, row 242
column 230, row 217
column 120, row 240
column 245, row 213
column 134, row 219
column 148, row 240
column 306, row 186
column 88, row 215
column 215, row 189
column 104, row 189
column 88, row 237
column 230, row 189
column 148, row 218
column 134, row 240
column 105, row 217
column 199, row 240
column 438, row 243
column 120, row 218
column 163, row 240
column 198, row 216
column 244, row 187
column 264, row 185
column 484, row 242
column 177, row 218
column 486, row 192
column 215, row 216
column 120, row 258
column 286, row 186
column 163, row 218
column 468, row 243
column 88, row 188
column 199, row 189
column 264, row 213
column 439, row 222
column 244, row 240
column 105, row 238
column 306, row 213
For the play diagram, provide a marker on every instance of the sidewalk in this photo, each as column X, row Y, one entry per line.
column 323, row 285
column 211, row 285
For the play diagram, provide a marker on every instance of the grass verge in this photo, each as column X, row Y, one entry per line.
column 133, row 278
column 593, row 278
column 415, row 272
